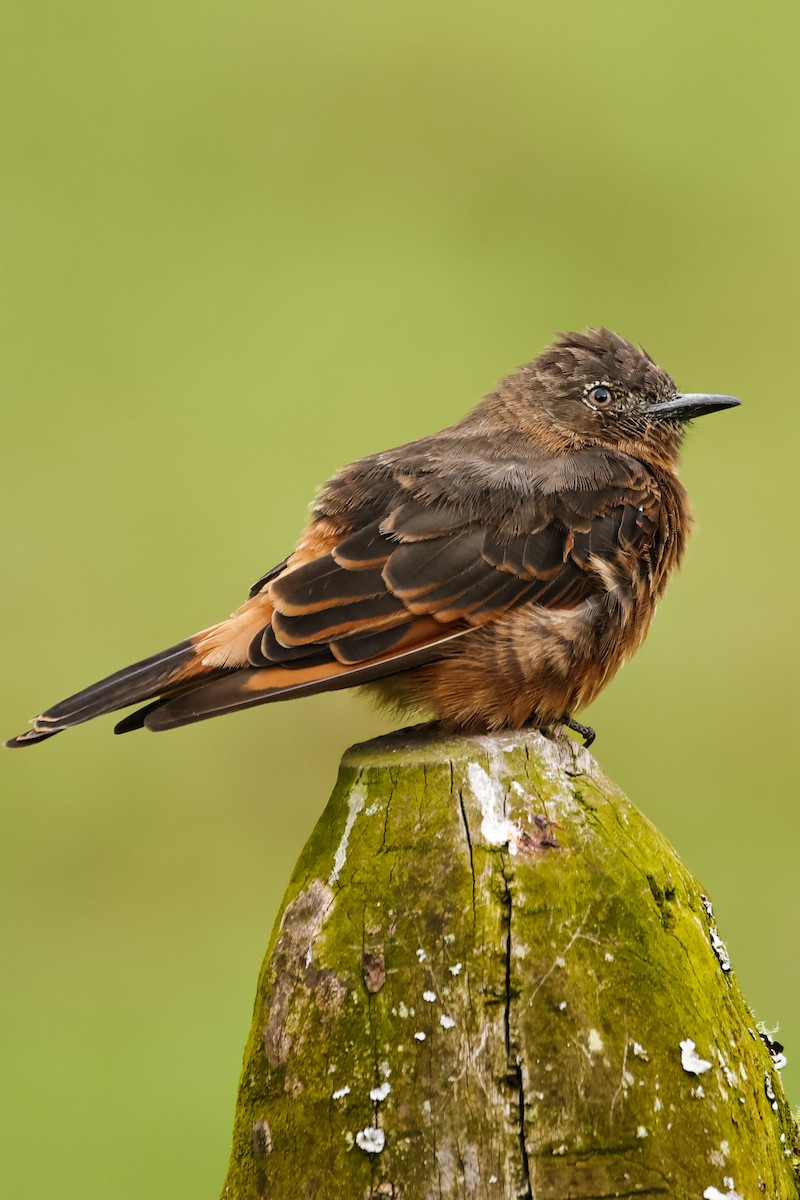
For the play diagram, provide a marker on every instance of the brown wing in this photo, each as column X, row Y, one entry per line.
column 462, row 557
column 445, row 555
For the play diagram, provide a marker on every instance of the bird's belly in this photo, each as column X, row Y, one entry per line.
column 531, row 666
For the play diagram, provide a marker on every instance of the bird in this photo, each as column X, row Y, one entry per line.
column 491, row 576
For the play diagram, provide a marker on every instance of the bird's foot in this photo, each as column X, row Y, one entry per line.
column 585, row 731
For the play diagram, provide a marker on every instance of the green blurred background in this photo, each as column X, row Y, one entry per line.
column 240, row 246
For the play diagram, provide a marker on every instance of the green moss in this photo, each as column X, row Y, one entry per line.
column 490, row 930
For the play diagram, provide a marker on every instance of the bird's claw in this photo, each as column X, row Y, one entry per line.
column 585, row 731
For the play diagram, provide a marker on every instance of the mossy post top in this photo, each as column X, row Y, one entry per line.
column 493, row 977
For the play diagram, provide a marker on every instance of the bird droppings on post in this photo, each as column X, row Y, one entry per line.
column 691, row 1061
column 340, row 1093
column 446, row 1022
column 419, row 1035
column 717, row 944
column 641, row 1132
column 379, row 1094
column 456, row 968
column 430, row 997
column 496, row 829
column 354, row 806
column 719, row 948
column 421, row 955
column 713, row 1193
column 371, row 1140
column 639, row 1051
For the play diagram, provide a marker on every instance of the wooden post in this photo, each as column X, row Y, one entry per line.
column 492, row 977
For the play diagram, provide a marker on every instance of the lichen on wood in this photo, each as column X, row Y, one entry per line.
column 492, row 977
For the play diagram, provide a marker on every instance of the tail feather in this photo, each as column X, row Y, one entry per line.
column 263, row 685
column 132, row 684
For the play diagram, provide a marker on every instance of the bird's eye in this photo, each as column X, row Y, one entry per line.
column 600, row 395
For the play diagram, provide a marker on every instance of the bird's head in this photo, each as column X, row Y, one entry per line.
column 595, row 388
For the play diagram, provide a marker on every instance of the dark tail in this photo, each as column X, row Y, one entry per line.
column 131, row 685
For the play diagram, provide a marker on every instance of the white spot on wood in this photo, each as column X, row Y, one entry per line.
column 370, row 1140
column 341, row 1093
column 562, row 1006
column 608, row 956
column 446, row 1022
column 719, row 948
column 691, row 1061
column 496, row 829
column 421, row 955
column 641, row 1131
column 354, row 806
column 713, row 1193
column 639, row 1051
column 594, row 1043
column 429, row 996
column 419, row 1035
column 456, row 967
column 379, row 1094
column 657, row 1106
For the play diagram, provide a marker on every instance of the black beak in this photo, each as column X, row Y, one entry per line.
column 690, row 404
